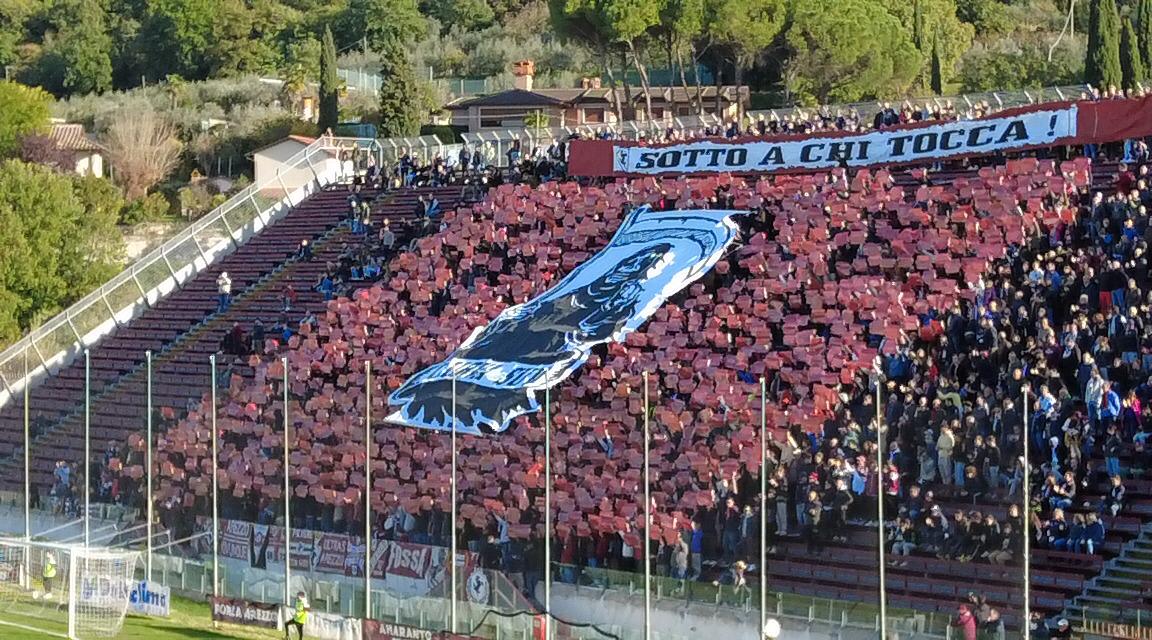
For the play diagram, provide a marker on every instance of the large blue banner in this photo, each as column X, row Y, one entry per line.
column 500, row 368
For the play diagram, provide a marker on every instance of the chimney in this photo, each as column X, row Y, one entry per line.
column 522, row 72
column 596, row 82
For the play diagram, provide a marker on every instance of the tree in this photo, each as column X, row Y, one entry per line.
column 1131, row 66
column 143, row 148
column 629, row 22
column 847, row 50
column 175, row 36
column 1143, row 24
column 1102, row 65
column 937, row 79
column 680, row 22
column 94, row 248
column 918, row 25
column 329, row 84
column 583, row 22
column 939, row 25
column 1006, row 64
column 403, row 101
column 989, row 17
column 381, row 22
column 745, row 28
column 25, row 112
column 43, row 150
column 60, row 241
column 84, row 48
column 467, row 15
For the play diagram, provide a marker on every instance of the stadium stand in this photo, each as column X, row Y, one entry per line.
column 965, row 283
column 183, row 329
column 807, row 313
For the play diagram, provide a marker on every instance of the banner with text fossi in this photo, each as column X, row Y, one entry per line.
column 878, row 147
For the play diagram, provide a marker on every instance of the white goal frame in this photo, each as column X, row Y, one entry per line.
column 94, row 599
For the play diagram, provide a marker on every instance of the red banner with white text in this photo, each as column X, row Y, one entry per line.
column 1052, row 124
column 407, row 569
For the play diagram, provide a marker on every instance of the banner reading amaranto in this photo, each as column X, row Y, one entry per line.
column 1010, row 130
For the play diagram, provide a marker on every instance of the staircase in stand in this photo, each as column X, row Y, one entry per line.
column 1122, row 593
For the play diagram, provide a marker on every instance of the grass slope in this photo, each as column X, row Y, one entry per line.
column 190, row 621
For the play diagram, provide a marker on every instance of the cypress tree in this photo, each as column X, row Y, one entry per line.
column 1102, row 67
column 937, row 70
column 329, row 106
column 1130, row 63
column 1144, row 32
column 918, row 24
column 403, row 101
column 1091, row 73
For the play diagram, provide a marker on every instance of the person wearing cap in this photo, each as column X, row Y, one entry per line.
column 1062, row 630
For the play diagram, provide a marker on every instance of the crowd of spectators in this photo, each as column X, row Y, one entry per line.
column 1032, row 301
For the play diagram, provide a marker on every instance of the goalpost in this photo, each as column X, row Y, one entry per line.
column 66, row 591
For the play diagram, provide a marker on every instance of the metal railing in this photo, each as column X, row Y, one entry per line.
column 160, row 272
column 799, row 610
column 56, row 343
column 502, row 139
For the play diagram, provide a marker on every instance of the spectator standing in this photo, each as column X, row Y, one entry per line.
column 224, row 291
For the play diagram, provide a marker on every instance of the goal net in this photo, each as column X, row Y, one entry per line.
column 66, row 591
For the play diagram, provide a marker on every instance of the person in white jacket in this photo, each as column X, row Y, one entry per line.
column 224, row 288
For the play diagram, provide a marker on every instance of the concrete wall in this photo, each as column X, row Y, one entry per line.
column 273, row 159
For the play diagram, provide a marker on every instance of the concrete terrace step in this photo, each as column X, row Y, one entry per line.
column 182, row 374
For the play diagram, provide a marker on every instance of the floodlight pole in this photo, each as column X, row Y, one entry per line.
column 27, row 454
column 763, row 504
column 368, row 490
column 453, row 613
column 647, row 520
column 547, row 513
column 148, row 467
column 1024, row 518
column 881, row 446
column 287, row 498
column 215, row 489
column 87, row 446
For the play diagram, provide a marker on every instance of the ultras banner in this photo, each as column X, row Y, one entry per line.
column 499, row 369
column 1009, row 130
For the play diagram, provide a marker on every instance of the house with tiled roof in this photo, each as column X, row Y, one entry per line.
column 85, row 154
column 591, row 103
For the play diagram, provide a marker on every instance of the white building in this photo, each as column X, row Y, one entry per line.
column 273, row 160
column 84, row 152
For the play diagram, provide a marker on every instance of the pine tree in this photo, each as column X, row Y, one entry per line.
column 329, row 115
column 918, row 25
column 403, row 101
column 1131, row 65
column 1143, row 24
column 1102, row 66
column 937, row 80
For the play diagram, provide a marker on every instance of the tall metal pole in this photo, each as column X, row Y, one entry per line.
column 453, row 612
column 367, row 489
column 763, row 505
column 1024, row 517
column 215, row 489
column 287, row 498
column 27, row 454
column 547, row 513
column 881, row 448
column 148, row 467
column 87, row 446
column 647, row 522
